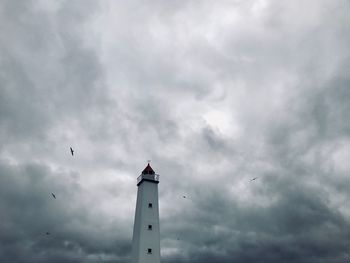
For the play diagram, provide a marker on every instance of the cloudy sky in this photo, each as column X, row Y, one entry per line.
column 215, row 93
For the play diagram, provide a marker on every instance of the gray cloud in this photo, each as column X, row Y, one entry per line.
column 33, row 212
column 214, row 94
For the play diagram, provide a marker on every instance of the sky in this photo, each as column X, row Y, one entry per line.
column 214, row 93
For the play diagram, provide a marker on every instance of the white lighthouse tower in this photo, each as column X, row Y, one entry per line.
column 146, row 235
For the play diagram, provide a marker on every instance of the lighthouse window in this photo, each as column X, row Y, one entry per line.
column 149, row 205
column 149, row 227
column 149, row 251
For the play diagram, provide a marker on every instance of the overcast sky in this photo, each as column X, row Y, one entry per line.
column 215, row 93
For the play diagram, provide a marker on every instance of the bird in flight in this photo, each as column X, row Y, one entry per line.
column 47, row 233
column 71, row 151
column 254, row 178
column 184, row 196
column 53, row 195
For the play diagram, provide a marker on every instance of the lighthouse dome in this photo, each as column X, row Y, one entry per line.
column 148, row 170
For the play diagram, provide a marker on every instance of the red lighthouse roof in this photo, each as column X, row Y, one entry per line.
column 148, row 170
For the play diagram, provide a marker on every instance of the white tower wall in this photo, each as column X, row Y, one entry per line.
column 146, row 233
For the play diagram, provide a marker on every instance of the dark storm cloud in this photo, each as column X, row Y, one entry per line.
column 300, row 226
column 33, row 212
column 214, row 94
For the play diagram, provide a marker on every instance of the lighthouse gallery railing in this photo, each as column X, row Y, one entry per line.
column 152, row 177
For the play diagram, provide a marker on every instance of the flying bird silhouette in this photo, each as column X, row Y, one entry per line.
column 47, row 233
column 71, row 151
column 254, row 178
column 53, row 195
column 183, row 196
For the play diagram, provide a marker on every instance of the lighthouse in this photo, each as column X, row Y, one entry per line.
column 146, row 235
